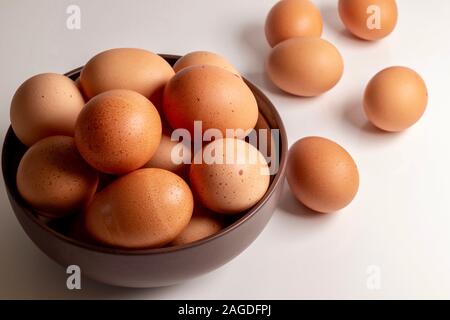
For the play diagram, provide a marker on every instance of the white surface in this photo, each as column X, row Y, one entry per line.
column 400, row 219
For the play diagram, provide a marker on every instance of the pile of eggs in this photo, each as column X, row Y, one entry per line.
column 100, row 148
column 321, row 174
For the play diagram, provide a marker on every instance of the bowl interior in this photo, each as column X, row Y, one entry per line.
column 13, row 151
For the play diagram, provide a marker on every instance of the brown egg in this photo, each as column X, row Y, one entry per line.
column 305, row 66
column 292, row 18
column 170, row 155
column 147, row 208
column 395, row 99
column 321, row 174
column 54, row 179
column 204, row 58
column 126, row 68
column 369, row 19
column 218, row 98
column 45, row 105
column 232, row 176
column 204, row 223
column 118, row 131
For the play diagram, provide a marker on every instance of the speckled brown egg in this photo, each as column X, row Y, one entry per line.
column 212, row 95
column 229, row 176
column 395, row 99
column 54, row 179
column 147, row 208
column 45, row 105
column 204, row 58
column 293, row 18
column 126, row 68
column 305, row 66
column 118, row 131
column 369, row 19
column 321, row 174
column 204, row 223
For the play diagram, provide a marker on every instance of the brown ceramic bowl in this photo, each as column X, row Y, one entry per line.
column 150, row 267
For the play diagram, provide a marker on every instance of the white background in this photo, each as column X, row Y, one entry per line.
column 399, row 221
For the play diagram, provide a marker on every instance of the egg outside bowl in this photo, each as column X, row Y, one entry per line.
column 149, row 267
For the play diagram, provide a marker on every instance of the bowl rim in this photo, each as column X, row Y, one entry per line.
column 279, row 178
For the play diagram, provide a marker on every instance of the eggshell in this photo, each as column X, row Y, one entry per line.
column 45, row 105
column 147, row 208
column 369, row 19
column 212, row 95
column 54, row 179
column 163, row 156
column 204, row 58
column 118, row 131
column 292, row 18
column 126, row 68
column 204, row 223
column 305, row 66
column 321, row 174
column 395, row 99
column 232, row 176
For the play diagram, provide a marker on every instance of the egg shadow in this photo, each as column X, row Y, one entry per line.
column 291, row 206
column 330, row 17
column 262, row 80
column 353, row 113
column 252, row 37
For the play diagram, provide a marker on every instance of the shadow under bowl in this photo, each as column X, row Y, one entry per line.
column 146, row 268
